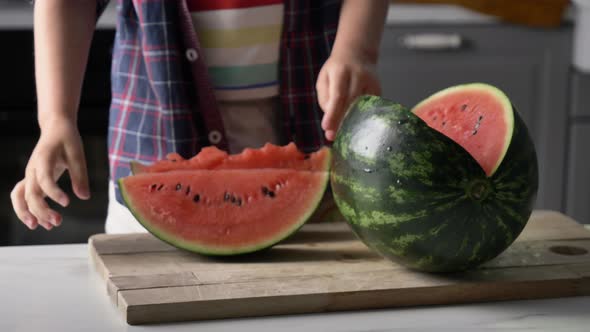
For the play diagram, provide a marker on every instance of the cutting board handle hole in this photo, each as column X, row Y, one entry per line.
column 568, row 250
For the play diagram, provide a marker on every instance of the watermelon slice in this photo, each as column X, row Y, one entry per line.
column 224, row 212
column 269, row 156
column 219, row 204
column 475, row 116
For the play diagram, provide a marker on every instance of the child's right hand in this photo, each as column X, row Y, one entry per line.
column 59, row 148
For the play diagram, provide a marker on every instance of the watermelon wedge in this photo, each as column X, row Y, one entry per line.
column 477, row 116
column 269, row 156
column 232, row 205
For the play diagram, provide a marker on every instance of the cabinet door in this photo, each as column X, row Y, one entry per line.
column 578, row 193
column 530, row 66
column 578, row 175
column 580, row 96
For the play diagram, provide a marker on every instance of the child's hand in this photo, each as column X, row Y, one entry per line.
column 340, row 81
column 59, row 148
column 350, row 70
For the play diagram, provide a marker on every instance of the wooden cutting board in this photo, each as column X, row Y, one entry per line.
column 324, row 268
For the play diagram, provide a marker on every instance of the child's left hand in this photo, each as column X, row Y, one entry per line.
column 343, row 78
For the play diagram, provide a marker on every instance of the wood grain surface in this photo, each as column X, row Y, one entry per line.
column 325, row 268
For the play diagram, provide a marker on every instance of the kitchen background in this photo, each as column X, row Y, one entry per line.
column 538, row 51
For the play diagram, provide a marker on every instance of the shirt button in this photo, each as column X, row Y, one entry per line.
column 191, row 54
column 214, row 137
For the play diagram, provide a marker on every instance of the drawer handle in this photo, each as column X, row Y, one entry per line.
column 432, row 42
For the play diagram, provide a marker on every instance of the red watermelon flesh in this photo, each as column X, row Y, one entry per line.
column 208, row 158
column 224, row 212
column 476, row 116
column 269, row 156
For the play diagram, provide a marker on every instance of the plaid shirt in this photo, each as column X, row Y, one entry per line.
column 162, row 99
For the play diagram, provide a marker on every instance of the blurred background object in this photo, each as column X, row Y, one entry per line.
column 19, row 129
column 536, row 13
column 581, row 58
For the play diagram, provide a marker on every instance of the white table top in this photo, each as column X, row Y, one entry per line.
column 55, row 288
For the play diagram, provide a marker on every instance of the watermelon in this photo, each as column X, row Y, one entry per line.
column 208, row 158
column 268, row 156
column 444, row 187
column 232, row 205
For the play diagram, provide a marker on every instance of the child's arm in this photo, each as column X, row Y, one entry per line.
column 350, row 69
column 63, row 31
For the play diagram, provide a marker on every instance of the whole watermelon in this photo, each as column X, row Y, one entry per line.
column 420, row 199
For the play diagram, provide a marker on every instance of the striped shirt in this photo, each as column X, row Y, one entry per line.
column 162, row 96
column 240, row 44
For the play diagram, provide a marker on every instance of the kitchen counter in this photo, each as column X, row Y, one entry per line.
column 54, row 288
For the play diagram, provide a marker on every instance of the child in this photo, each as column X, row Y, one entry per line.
column 191, row 73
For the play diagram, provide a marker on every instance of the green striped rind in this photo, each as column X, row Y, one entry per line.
column 136, row 167
column 405, row 189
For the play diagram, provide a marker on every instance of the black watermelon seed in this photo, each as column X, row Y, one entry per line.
column 239, row 202
column 226, row 197
column 160, row 187
column 463, row 107
column 153, row 187
column 188, row 190
column 271, row 194
column 474, row 132
column 196, row 198
column 265, row 190
column 233, row 199
column 178, row 186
